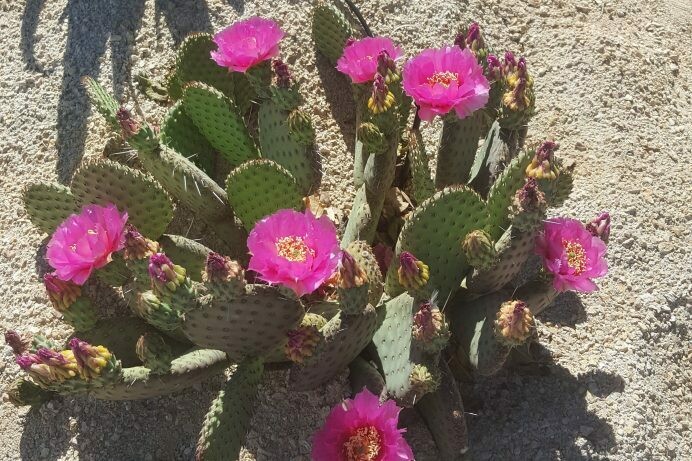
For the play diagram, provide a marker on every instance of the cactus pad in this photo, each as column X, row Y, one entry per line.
column 180, row 133
column 443, row 412
column 228, row 420
column 149, row 208
column 187, row 253
column 259, row 188
column 458, row 145
column 362, row 253
column 186, row 370
column 363, row 374
column 330, row 30
column 280, row 145
column 252, row 324
column 219, row 120
column 194, row 64
column 105, row 104
column 502, row 193
column 48, row 205
column 345, row 336
column 433, row 234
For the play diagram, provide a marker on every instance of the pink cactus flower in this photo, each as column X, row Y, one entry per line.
column 247, row 43
column 362, row 429
column 443, row 79
column 294, row 249
column 360, row 57
column 571, row 254
column 85, row 241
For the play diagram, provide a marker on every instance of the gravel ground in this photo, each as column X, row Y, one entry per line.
column 613, row 83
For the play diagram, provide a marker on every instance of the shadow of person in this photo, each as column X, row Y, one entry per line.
column 237, row 5
column 47, row 431
column 89, row 27
column 183, row 17
column 539, row 410
column 567, row 310
column 32, row 10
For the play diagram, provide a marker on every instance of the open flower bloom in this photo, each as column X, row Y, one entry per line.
column 85, row 241
column 247, row 43
column 294, row 249
column 359, row 60
column 443, row 79
column 362, row 429
column 571, row 254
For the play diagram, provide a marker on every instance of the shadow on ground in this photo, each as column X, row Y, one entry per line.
column 92, row 27
column 162, row 428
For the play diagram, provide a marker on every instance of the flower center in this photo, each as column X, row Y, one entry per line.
column 363, row 445
column 293, row 248
column 576, row 256
column 443, row 78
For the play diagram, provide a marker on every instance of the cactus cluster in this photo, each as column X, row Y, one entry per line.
column 423, row 294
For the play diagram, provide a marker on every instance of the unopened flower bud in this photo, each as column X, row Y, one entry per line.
column 154, row 353
column 138, row 246
column 165, row 276
column 413, row 273
column 600, row 226
column 17, row 342
column 351, row 275
column 283, row 75
column 301, row 343
column 371, row 137
column 220, row 268
column 387, row 67
column 494, row 68
column 128, row 124
column 381, row 99
column 479, row 249
column 300, row 126
column 528, row 206
column 542, row 165
column 61, row 293
column 422, row 380
column 430, row 329
column 91, row 360
column 514, row 323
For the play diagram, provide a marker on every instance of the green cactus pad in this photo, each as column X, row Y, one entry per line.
column 184, row 252
column 197, row 192
column 180, row 133
column 345, row 336
column 487, row 158
column 194, row 64
column 252, row 324
column 473, row 328
column 115, row 273
column 443, row 412
column 188, row 369
column 105, row 104
column 81, row 314
column 421, row 181
column 228, row 420
column 362, row 253
column 458, row 145
column 220, row 121
column 280, row 145
column 393, row 343
column 513, row 249
column 258, row 188
column 23, row 392
column 433, row 233
column 502, row 193
column 48, row 205
column 330, row 30
column 364, row 374
column 101, row 182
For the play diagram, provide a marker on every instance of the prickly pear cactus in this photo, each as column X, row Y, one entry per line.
column 416, row 292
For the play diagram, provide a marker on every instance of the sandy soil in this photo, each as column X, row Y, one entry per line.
column 613, row 84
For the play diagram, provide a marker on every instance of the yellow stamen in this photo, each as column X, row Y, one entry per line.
column 576, row 256
column 293, row 248
column 363, row 445
column 443, row 78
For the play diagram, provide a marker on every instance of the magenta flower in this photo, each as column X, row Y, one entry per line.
column 85, row 241
column 443, row 79
column 571, row 254
column 294, row 249
column 247, row 43
column 359, row 60
column 360, row 429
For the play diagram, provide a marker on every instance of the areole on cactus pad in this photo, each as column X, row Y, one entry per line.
column 415, row 293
